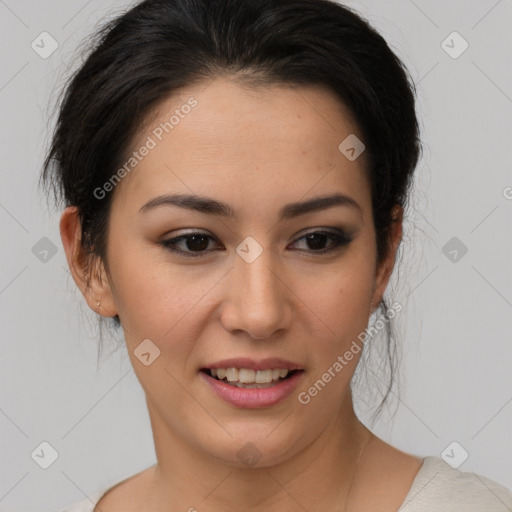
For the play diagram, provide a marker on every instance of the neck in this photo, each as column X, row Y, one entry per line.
column 318, row 477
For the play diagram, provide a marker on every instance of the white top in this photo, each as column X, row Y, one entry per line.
column 437, row 488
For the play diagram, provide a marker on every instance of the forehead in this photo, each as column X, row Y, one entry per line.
column 265, row 146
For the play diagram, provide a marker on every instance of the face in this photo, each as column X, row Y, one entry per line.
column 250, row 272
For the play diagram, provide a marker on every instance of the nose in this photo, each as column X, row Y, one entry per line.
column 257, row 300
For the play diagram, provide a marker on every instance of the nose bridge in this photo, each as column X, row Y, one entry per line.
column 258, row 301
column 258, row 279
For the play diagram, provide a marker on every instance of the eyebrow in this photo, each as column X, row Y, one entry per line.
column 213, row 207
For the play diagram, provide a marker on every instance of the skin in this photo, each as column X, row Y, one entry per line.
column 255, row 150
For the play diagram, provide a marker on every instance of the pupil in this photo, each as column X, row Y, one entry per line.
column 192, row 242
column 312, row 237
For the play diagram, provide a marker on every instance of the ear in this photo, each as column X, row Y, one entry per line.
column 385, row 269
column 87, row 269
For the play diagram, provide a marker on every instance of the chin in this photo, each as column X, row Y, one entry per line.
column 256, row 448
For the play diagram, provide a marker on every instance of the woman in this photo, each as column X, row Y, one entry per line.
column 282, row 136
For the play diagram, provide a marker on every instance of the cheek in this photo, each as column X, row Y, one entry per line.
column 341, row 310
column 343, row 297
column 150, row 294
column 162, row 301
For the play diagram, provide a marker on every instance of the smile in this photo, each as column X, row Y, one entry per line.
column 240, row 388
column 248, row 378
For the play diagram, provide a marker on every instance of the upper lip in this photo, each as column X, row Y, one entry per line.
column 263, row 364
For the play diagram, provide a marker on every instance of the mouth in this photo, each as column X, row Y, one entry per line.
column 246, row 383
column 249, row 378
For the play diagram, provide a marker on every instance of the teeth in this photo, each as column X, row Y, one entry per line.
column 263, row 376
column 231, row 374
column 246, row 376
column 243, row 376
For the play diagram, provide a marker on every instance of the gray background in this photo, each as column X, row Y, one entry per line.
column 455, row 328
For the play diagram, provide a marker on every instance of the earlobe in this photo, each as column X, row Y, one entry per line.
column 87, row 269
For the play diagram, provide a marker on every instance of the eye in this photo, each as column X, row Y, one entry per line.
column 193, row 242
column 196, row 243
column 317, row 239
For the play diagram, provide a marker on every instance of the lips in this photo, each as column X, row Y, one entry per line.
column 247, row 383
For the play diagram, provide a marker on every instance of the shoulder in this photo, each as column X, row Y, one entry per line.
column 87, row 504
column 440, row 488
column 122, row 495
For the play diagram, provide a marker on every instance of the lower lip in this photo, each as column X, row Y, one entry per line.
column 254, row 398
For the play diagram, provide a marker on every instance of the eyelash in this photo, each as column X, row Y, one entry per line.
column 340, row 239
